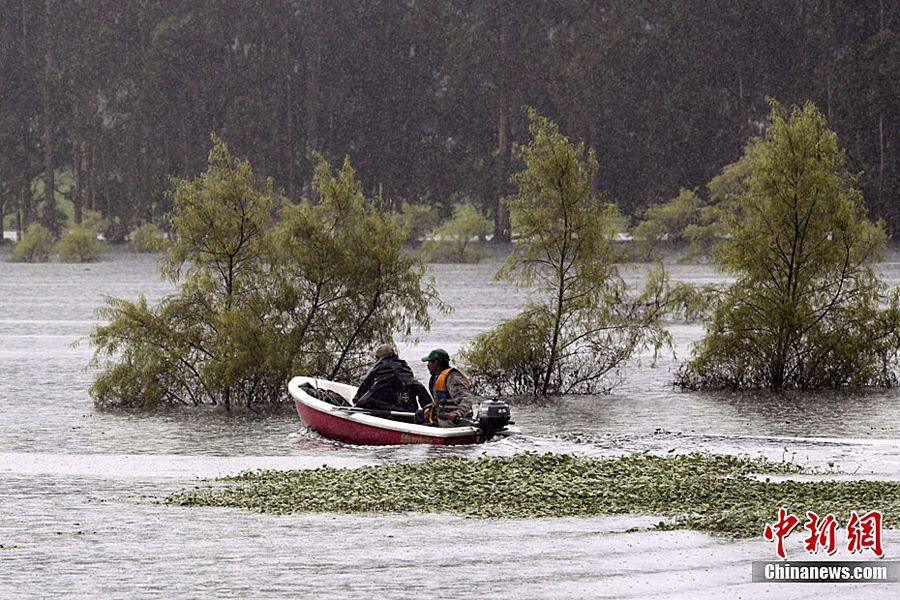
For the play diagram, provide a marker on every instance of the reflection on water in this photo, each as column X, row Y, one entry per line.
column 78, row 485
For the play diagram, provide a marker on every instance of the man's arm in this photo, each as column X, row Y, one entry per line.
column 461, row 394
column 420, row 394
column 365, row 385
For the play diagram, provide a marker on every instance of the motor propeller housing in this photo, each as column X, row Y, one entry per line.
column 492, row 416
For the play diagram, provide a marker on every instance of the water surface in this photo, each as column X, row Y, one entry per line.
column 78, row 485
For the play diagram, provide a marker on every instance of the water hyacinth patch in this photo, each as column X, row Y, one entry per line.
column 716, row 493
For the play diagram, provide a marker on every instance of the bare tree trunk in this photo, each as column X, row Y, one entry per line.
column 286, row 56
column 2, row 212
column 593, row 142
column 26, row 212
column 49, row 216
column 829, row 113
column 142, row 196
column 49, row 175
column 313, row 74
column 501, row 215
column 881, row 159
column 20, row 226
column 881, row 152
column 23, row 201
column 78, row 174
column 92, row 174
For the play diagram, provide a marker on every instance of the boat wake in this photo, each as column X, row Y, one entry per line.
column 858, row 456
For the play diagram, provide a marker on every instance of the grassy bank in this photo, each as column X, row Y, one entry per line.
column 724, row 494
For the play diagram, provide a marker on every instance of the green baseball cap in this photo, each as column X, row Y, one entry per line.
column 438, row 354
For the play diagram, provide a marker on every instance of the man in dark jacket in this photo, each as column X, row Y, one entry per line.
column 390, row 384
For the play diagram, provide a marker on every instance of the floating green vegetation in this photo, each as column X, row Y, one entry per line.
column 715, row 493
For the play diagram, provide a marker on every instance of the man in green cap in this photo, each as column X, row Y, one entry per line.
column 450, row 390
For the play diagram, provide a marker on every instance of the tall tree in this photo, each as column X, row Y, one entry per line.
column 21, row 67
column 260, row 297
column 585, row 326
column 807, row 309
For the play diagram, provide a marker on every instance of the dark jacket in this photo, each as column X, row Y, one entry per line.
column 391, row 385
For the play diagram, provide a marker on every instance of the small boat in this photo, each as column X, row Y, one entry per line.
column 315, row 402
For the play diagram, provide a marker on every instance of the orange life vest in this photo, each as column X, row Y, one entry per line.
column 443, row 402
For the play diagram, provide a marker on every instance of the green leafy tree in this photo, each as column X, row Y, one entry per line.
column 148, row 238
column 37, row 245
column 806, row 309
column 710, row 226
column 512, row 357
column 418, row 219
column 192, row 348
column 454, row 240
column 663, row 225
column 588, row 324
column 79, row 244
column 219, row 220
column 261, row 298
column 689, row 223
column 345, row 282
column 94, row 220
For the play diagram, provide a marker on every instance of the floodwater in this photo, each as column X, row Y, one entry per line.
column 78, row 517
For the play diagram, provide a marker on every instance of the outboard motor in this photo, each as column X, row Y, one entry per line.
column 493, row 415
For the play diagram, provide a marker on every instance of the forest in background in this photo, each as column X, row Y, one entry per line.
column 103, row 101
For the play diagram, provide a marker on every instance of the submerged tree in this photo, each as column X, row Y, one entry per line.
column 37, row 245
column 148, row 237
column 79, row 243
column 418, row 219
column 663, row 225
column 806, row 309
column 453, row 240
column 343, row 280
column 259, row 298
column 690, row 223
column 192, row 348
column 587, row 324
column 711, row 224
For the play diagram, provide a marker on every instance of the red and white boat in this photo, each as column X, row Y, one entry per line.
column 345, row 424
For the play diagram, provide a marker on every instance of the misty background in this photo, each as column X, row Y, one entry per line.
column 103, row 101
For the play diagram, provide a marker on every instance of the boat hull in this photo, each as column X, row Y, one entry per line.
column 359, row 428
